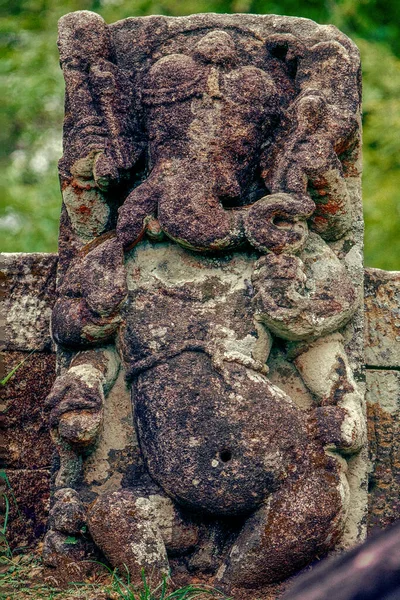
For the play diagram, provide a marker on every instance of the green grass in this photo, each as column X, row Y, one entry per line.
column 15, row 369
column 23, row 578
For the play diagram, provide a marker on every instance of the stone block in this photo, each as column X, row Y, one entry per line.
column 26, row 435
column 383, row 406
column 28, row 294
column 29, row 506
column 382, row 318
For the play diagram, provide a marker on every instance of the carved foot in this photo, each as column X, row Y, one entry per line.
column 302, row 521
column 63, row 542
column 134, row 532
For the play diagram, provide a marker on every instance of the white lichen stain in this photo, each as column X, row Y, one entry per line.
column 150, row 548
column 174, row 267
column 118, row 434
column 160, row 511
column 27, row 319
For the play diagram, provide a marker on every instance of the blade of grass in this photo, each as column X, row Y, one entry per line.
column 6, row 513
column 15, row 369
column 3, row 476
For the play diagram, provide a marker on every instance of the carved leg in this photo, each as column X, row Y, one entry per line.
column 326, row 372
column 301, row 521
column 76, row 412
column 136, row 531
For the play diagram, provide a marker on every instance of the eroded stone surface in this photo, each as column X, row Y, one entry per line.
column 29, row 512
column 382, row 308
column 128, row 535
column 28, row 295
column 212, row 218
column 26, row 435
column 383, row 403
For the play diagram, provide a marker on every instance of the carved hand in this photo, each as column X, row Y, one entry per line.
column 304, row 297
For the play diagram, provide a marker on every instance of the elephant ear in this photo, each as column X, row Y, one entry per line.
column 317, row 147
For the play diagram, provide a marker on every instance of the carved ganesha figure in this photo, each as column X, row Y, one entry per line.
column 207, row 207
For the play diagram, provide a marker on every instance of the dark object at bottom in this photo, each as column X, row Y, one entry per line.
column 369, row 572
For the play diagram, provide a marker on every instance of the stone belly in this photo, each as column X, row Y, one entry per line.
column 208, row 445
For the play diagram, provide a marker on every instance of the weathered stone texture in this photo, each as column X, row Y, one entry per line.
column 382, row 310
column 28, row 294
column 382, row 352
column 29, row 454
column 29, row 513
column 27, row 433
column 211, row 213
column 383, row 405
column 28, row 284
column 210, row 253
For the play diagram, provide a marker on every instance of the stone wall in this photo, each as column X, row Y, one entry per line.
column 28, row 294
column 382, row 357
column 27, row 291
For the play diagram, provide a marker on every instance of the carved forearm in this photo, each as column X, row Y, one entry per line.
column 326, row 125
column 75, row 404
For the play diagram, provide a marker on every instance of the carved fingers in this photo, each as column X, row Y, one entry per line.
column 303, row 298
column 279, row 281
column 133, row 216
column 277, row 223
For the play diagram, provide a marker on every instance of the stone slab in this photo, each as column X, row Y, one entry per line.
column 382, row 318
column 27, row 284
column 29, row 507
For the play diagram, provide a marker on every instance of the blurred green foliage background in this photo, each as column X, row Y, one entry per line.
column 32, row 107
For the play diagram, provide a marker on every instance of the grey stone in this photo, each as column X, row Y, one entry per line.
column 28, row 296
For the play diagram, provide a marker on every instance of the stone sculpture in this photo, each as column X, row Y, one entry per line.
column 211, row 216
